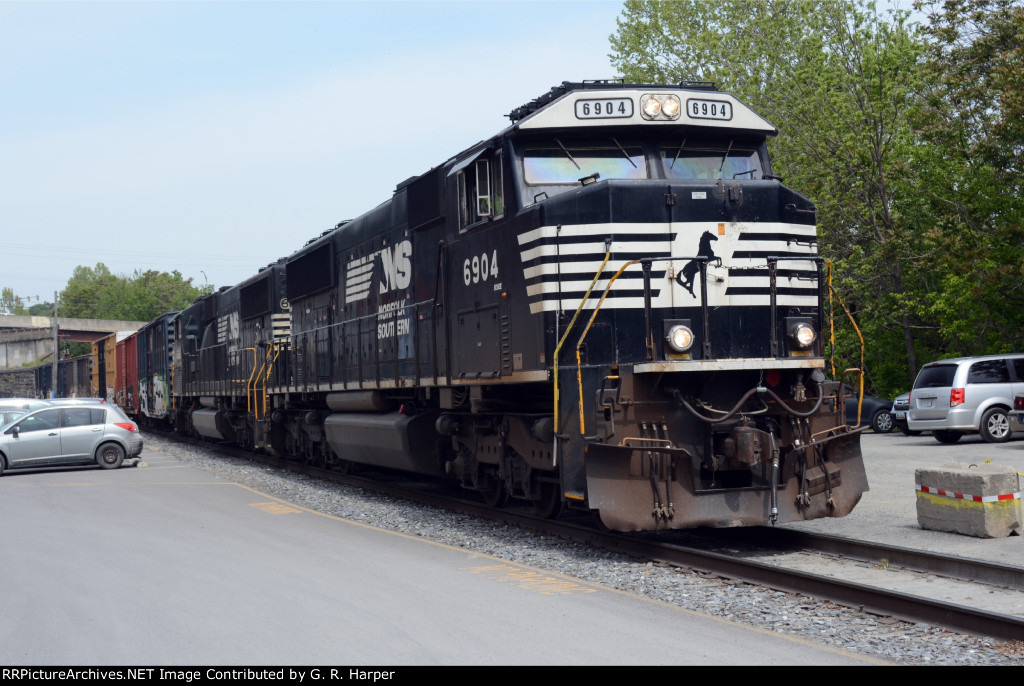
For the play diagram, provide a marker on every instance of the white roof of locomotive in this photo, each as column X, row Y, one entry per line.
column 562, row 112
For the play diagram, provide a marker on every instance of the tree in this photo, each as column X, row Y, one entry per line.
column 11, row 303
column 839, row 80
column 973, row 111
column 143, row 296
column 42, row 309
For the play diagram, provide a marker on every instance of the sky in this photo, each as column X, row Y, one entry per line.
column 213, row 138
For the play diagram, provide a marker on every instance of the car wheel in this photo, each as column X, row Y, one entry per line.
column 882, row 422
column 907, row 432
column 110, row 456
column 995, row 426
column 947, row 436
column 1, row 466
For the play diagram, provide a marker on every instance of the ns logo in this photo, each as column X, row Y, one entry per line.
column 394, row 272
column 397, row 267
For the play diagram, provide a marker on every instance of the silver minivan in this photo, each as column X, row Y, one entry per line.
column 966, row 395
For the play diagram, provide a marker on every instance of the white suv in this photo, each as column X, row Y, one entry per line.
column 966, row 394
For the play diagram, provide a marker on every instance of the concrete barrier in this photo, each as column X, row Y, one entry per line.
column 975, row 500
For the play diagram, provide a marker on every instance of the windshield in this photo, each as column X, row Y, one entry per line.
column 726, row 162
column 566, row 162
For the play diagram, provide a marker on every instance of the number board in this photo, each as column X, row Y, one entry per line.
column 709, row 109
column 610, row 108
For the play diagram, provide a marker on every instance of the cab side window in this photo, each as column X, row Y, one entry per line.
column 481, row 190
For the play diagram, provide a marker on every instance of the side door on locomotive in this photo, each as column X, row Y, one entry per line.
column 481, row 262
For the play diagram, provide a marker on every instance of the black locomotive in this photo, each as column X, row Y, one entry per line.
column 610, row 305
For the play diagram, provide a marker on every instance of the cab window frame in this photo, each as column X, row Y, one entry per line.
column 471, row 199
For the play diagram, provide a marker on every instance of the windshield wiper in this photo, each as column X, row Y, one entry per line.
column 623, row 150
column 678, row 153
column 567, row 154
column 724, row 158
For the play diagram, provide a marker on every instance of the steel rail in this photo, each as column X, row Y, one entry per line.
column 965, row 568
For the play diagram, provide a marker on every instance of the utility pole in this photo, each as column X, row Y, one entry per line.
column 56, row 341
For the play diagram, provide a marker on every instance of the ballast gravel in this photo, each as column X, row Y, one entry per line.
column 820, row 622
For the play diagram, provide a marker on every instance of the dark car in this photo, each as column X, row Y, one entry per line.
column 900, row 407
column 874, row 412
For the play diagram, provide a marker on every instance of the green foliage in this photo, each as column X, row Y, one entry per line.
column 43, row 309
column 143, row 296
column 973, row 110
column 907, row 138
column 11, row 303
column 74, row 348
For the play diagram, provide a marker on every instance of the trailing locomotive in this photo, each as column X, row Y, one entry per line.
column 612, row 305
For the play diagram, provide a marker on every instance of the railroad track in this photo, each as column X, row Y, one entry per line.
column 744, row 550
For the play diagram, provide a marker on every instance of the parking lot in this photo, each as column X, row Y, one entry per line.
column 888, row 512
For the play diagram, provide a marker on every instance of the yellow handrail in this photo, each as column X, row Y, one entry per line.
column 558, row 348
column 248, row 404
column 832, row 339
column 256, row 386
column 276, row 348
column 579, row 344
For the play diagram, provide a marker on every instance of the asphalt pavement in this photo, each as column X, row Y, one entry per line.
column 166, row 564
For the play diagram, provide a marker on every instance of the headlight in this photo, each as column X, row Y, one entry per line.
column 680, row 338
column 802, row 335
column 652, row 108
column 660, row 107
column 670, row 107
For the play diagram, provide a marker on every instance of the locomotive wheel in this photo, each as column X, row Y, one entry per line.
column 549, row 504
column 495, row 495
column 110, row 456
